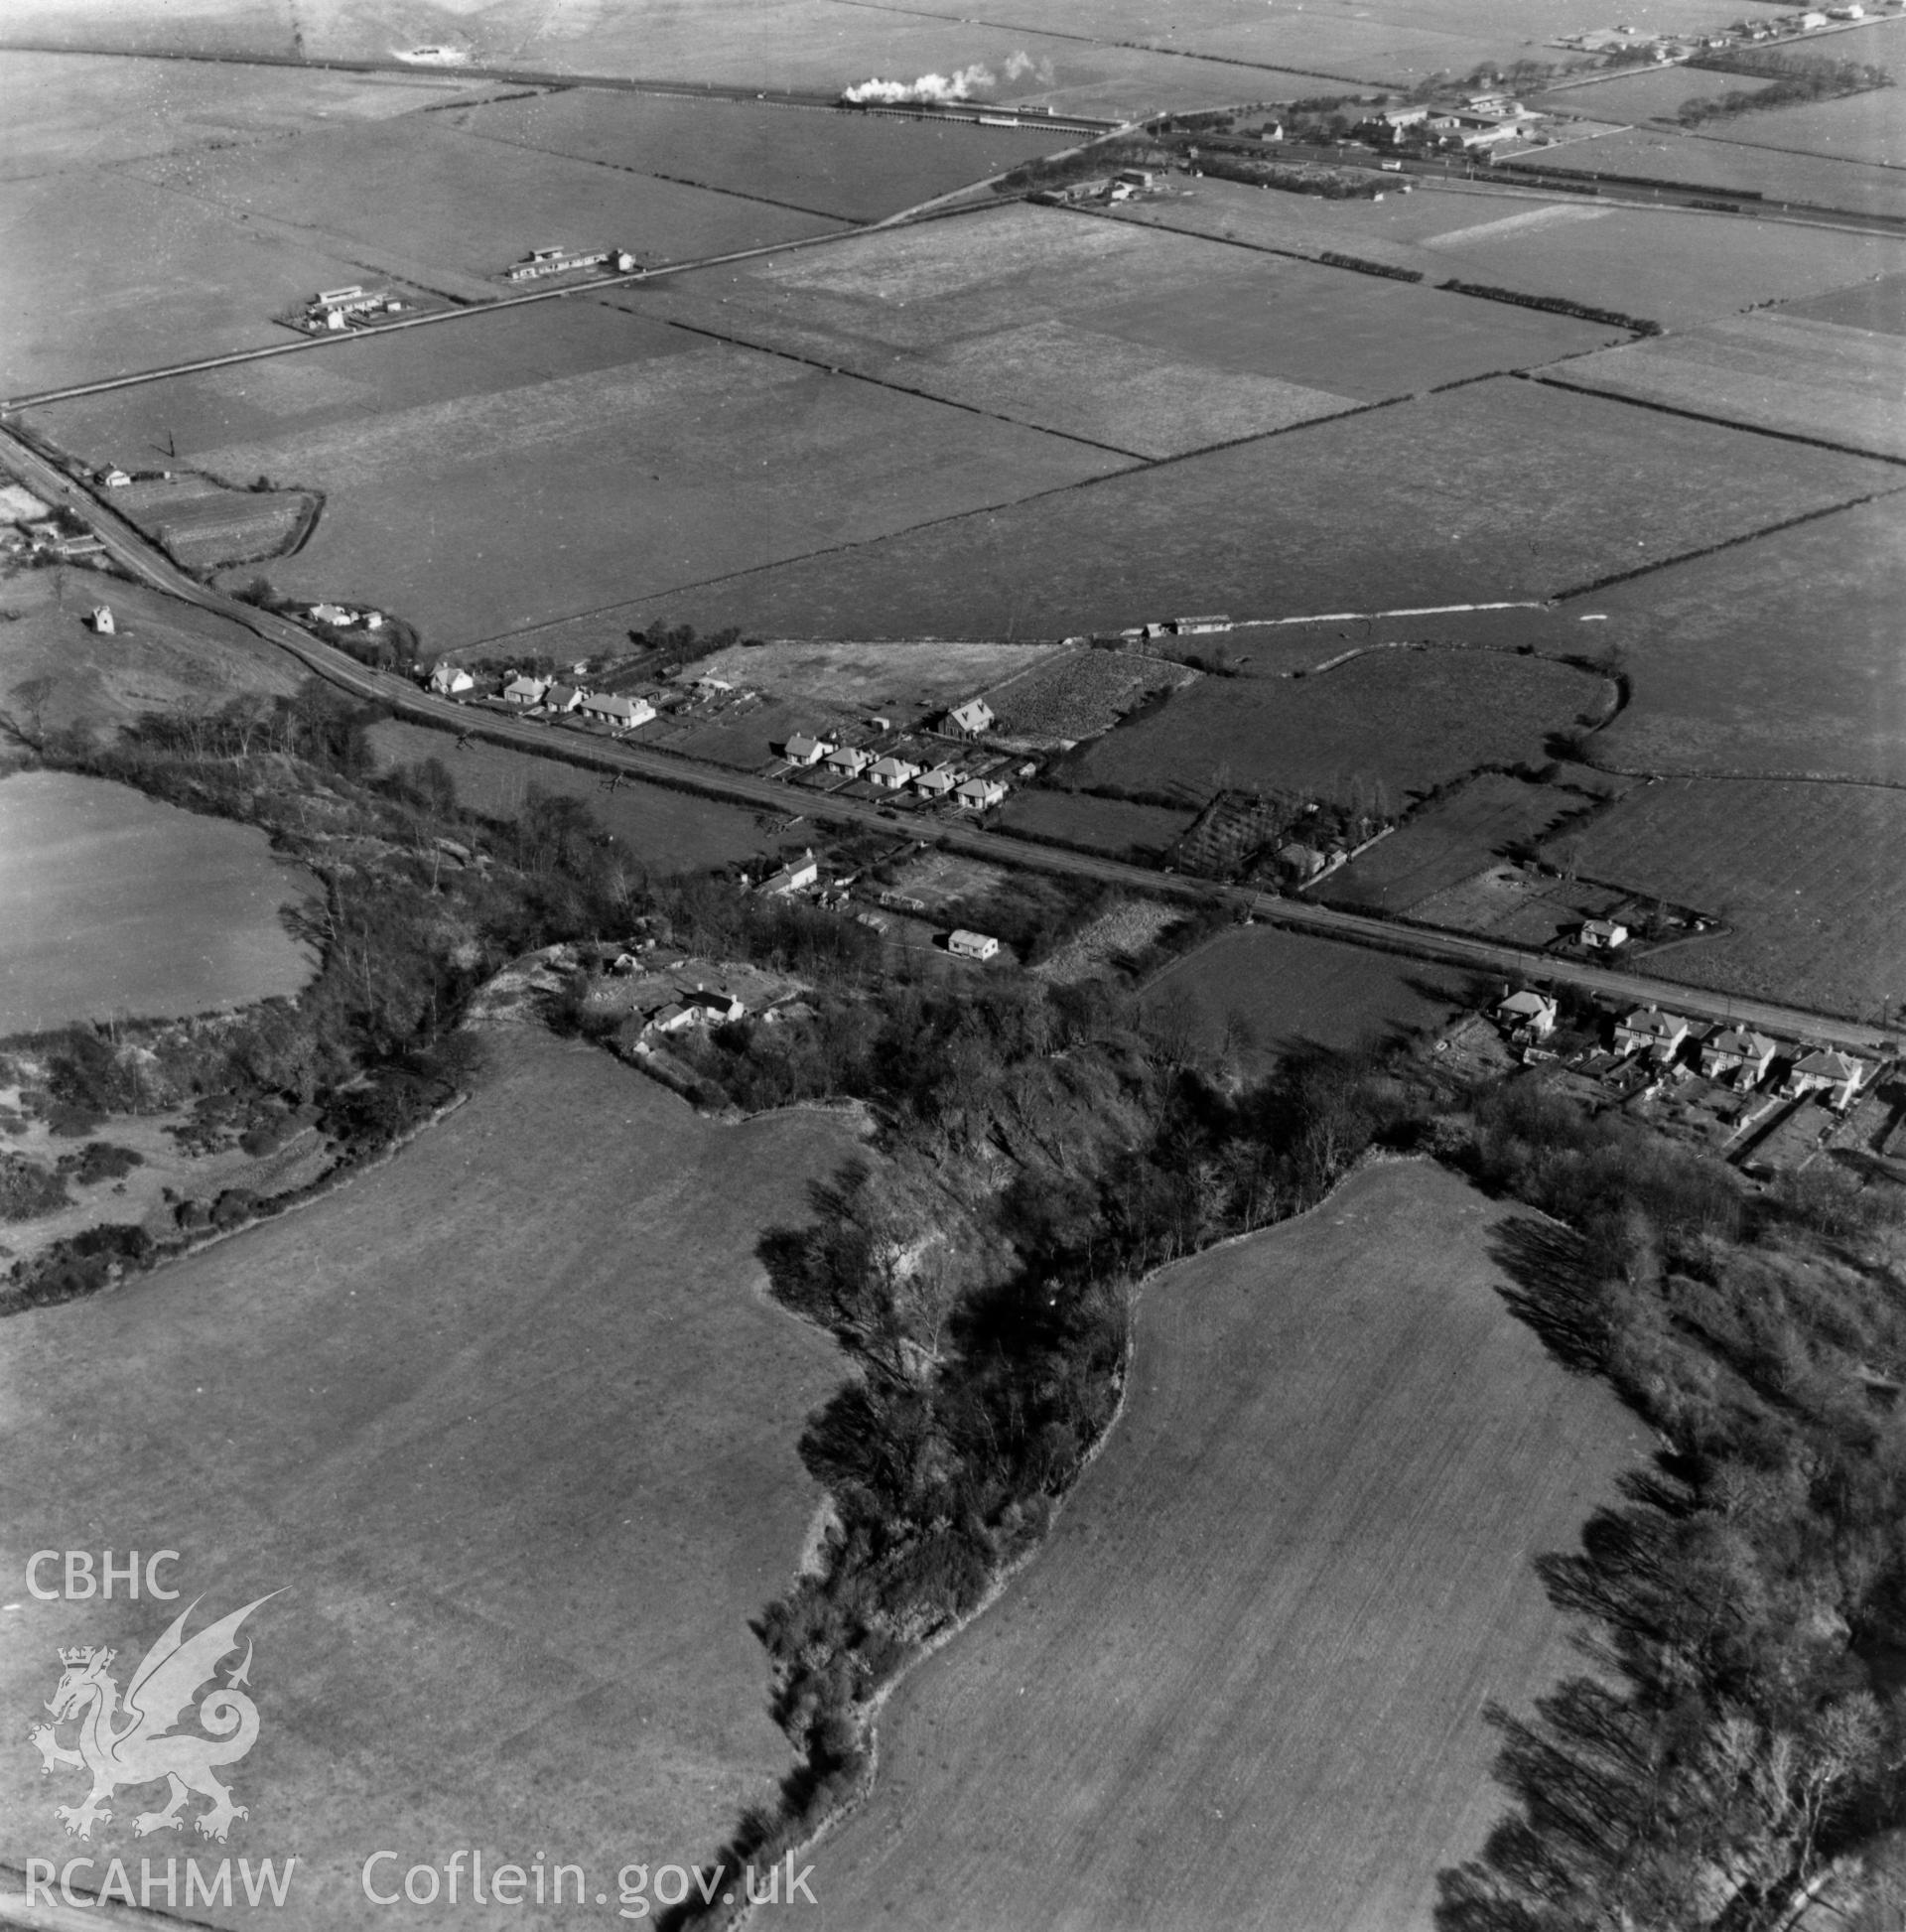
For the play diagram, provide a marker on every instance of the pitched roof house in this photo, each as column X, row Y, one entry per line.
column 1736, row 1054
column 979, row 795
column 1650, row 1031
column 969, row 720
column 525, row 690
column 1838, row 1076
column 1528, row 1012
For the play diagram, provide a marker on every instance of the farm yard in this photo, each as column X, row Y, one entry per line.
column 1499, row 489
column 578, row 490
column 1081, row 326
column 1080, row 694
column 1805, row 876
column 666, row 832
column 1449, row 840
column 1674, row 266
column 1243, row 1682
column 1383, row 726
column 1112, row 825
column 1779, row 657
column 1772, row 371
column 554, row 1598
column 852, row 166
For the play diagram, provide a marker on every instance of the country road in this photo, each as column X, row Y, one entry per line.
column 132, row 551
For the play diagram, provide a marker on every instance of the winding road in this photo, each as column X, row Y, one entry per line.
column 140, row 559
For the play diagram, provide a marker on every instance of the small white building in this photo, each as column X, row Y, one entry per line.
column 971, row 945
column 1837, row 1076
column 102, row 620
column 969, row 720
column 891, row 773
column 450, row 680
column 1650, row 1031
column 562, row 698
column 938, row 782
column 795, row 877
column 850, row 760
column 116, row 478
column 1529, row 1014
column 1603, row 935
column 525, row 691
column 622, row 713
column 979, row 795
column 1738, row 1055
column 800, row 749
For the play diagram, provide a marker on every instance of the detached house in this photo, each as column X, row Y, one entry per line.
column 450, row 680
column 850, row 760
column 979, row 795
column 1529, row 1014
column 623, row 713
column 936, row 783
column 795, row 877
column 969, row 720
column 804, row 750
column 1603, row 935
column 562, row 698
column 525, row 691
column 892, row 774
column 1837, row 1076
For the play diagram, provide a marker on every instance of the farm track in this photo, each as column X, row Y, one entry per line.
column 134, row 554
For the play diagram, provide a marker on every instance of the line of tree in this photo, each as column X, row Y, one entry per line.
column 1791, row 79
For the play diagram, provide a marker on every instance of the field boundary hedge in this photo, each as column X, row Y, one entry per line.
column 1554, row 305
column 1365, row 267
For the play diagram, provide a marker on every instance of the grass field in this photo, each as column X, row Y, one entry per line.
column 899, row 676
column 514, row 1423
column 1080, row 694
column 571, row 492
column 850, row 165
column 1711, row 161
column 1780, row 656
column 1402, row 721
column 1645, row 95
column 1821, row 379
column 1082, row 327
column 164, row 655
column 1242, row 1685
column 1099, row 824
column 114, row 904
column 1672, row 265
column 1448, row 841
column 1803, row 874
column 66, row 110
column 662, row 830
column 1873, row 304
column 1502, row 489
column 419, row 191
column 1861, row 127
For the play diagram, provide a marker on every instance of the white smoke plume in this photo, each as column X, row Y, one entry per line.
column 958, row 85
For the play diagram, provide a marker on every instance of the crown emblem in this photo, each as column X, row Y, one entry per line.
column 86, row 1655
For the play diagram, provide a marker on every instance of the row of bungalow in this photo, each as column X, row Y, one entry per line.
column 1732, row 1056
column 545, row 695
column 892, row 774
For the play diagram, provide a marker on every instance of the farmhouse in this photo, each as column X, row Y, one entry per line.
column 623, row 713
column 525, row 691
column 938, row 782
column 804, row 750
column 795, row 877
column 850, row 760
column 1603, row 935
column 1528, row 1015
column 1838, row 1076
column 892, row 774
column 563, row 261
column 449, row 680
column 971, row 945
column 116, row 478
column 1650, row 1031
column 969, row 720
column 981, row 794
column 1738, row 1055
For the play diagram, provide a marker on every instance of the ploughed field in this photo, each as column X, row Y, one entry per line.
column 1397, row 721
column 1498, row 489
column 1242, row 1683
column 512, row 1423
column 116, row 905
column 1805, row 876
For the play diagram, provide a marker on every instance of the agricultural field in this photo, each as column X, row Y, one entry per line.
column 1449, row 840
column 417, row 190
column 573, row 491
column 56, row 673
column 1525, row 908
column 1670, row 265
column 1642, row 94
column 1778, row 371
column 1080, row 694
column 126, row 276
column 1868, row 127
column 1502, row 489
column 1111, row 825
column 555, row 1600
column 1081, row 326
column 849, row 166
column 1779, row 657
column 872, row 676
column 68, row 110
column 114, row 905
column 1709, row 161
column 1377, row 729
column 663, row 831
column 1805, row 876
column 1875, row 303
column 1243, row 1682
column 202, row 525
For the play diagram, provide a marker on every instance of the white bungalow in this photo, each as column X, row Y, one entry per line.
column 804, row 750
column 891, row 773
column 971, row 945
column 562, row 698
column 623, row 713
column 450, row 680
column 525, row 691
column 938, row 782
column 850, row 760
column 979, row 795
column 1603, row 935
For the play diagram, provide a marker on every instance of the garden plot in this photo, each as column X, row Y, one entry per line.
column 1779, row 371
column 1144, row 833
column 1078, row 695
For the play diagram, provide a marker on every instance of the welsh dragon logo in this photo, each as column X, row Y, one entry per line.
column 133, row 1743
